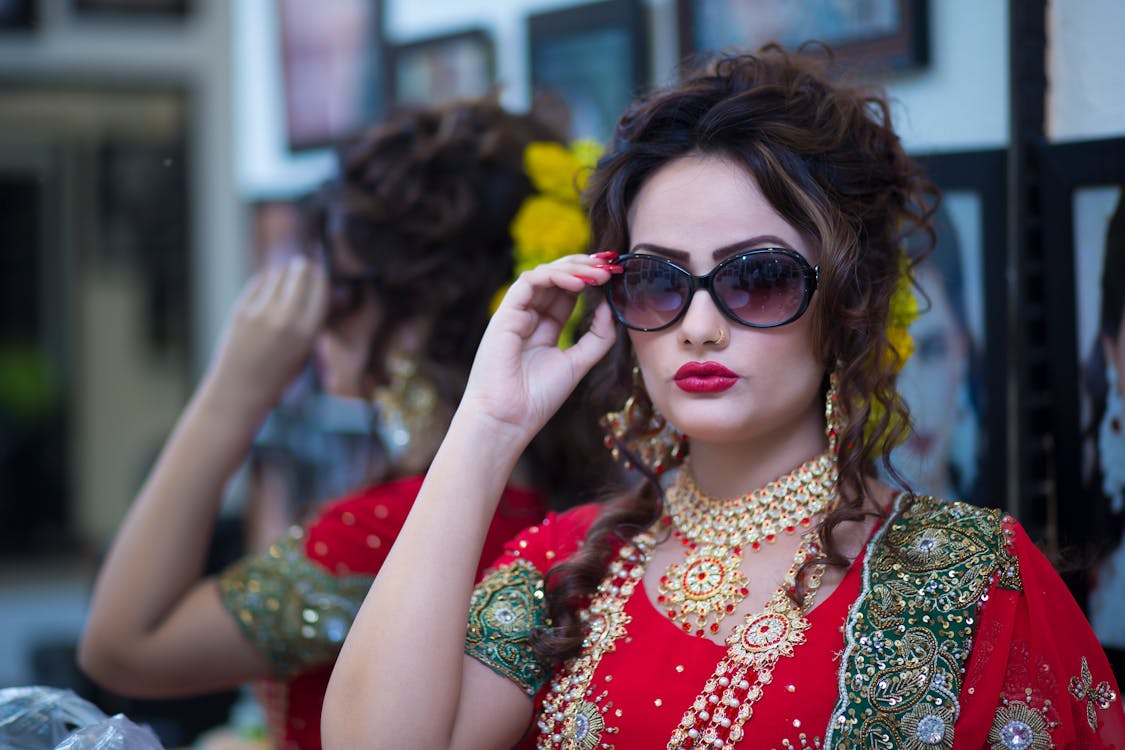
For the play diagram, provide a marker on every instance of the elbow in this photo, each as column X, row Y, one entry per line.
column 347, row 722
column 96, row 661
column 109, row 666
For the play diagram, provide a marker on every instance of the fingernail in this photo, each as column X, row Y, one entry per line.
column 587, row 279
column 610, row 267
column 607, row 255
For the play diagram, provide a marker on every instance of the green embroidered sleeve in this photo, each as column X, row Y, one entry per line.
column 506, row 606
column 293, row 610
column 910, row 631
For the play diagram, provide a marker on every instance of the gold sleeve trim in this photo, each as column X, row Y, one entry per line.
column 507, row 605
column 292, row 609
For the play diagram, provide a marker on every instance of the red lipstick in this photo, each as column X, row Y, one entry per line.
column 704, row 377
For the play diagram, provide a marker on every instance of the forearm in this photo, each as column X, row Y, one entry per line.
column 399, row 677
column 160, row 549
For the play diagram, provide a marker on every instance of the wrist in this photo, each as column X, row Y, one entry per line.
column 224, row 400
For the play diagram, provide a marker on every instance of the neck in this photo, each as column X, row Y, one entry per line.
column 732, row 469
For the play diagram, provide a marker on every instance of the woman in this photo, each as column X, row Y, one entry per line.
column 409, row 244
column 769, row 592
column 941, row 381
column 1105, row 383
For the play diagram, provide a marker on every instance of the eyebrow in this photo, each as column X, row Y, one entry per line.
column 763, row 240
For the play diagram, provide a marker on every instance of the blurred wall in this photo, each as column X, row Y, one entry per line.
column 124, row 403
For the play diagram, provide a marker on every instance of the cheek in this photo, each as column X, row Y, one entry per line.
column 342, row 366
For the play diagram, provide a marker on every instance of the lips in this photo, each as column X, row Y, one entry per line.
column 704, row 377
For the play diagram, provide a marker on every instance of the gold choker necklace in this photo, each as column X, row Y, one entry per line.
column 709, row 583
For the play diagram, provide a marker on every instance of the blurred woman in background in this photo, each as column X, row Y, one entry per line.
column 407, row 247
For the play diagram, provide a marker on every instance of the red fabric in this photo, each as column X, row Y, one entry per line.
column 1030, row 640
column 353, row 536
column 1029, row 647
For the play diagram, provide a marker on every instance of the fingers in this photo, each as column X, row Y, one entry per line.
column 303, row 296
column 596, row 342
column 292, row 295
column 572, row 274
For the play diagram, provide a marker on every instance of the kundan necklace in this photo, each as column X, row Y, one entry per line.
column 708, row 584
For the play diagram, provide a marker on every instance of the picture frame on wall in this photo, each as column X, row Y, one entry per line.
column 332, row 60
column 867, row 34
column 442, row 68
column 589, row 61
column 1084, row 231
column 134, row 8
column 955, row 381
column 18, row 15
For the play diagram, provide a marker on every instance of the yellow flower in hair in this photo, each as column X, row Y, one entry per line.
column 559, row 171
column 551, row 222
column 546, row 228
column 904, row 311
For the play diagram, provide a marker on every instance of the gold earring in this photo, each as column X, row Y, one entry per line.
column 833, row 423
column 638, row 432
column 407, row 415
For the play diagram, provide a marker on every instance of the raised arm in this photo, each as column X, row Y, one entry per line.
column 156, row 628
column 402, row 679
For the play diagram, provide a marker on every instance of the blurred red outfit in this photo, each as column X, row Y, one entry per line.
column 297, row 600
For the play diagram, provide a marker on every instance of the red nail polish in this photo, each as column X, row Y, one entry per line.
column 587, row 279
column 610, row 267
column 607, row 255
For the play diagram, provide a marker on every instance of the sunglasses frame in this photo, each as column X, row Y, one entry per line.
column 811, row 275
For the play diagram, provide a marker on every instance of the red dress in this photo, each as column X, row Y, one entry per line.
column 297, row 600
column 950, row 632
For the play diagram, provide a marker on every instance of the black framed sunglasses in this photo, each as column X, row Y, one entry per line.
column 762, row 288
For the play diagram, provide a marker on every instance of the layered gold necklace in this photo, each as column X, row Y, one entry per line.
column 700, row 591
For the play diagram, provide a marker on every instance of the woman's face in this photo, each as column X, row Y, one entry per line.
column 1114, row 350
column 696, row 211
column 344, row 343
column 929, row 383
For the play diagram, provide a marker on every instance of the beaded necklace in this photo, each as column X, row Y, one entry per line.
column 700, row 591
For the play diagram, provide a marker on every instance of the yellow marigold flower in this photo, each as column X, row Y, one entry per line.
column 545, row 229
column 587, row 151
column 551, row 223
column 904, row 311
column 553, row 169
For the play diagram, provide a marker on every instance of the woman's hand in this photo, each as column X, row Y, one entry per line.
column 270, row 333
column 520, row 376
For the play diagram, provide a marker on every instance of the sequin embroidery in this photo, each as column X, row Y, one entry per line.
column 506, row 606
column 1017, row 726
column 291, row 608
column 909, row 633
column 1083, row 689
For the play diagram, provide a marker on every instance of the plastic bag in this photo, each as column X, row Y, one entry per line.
column 46, row 718
column 114, row 733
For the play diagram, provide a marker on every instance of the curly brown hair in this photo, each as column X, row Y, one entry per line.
column 424, row 202
column 827, row 159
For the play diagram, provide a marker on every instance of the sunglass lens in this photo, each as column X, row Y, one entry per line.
column 762, row 289
column 649, row 294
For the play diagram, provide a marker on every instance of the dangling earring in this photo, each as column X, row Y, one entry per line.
column 1111, row 443
column 407, row 415
column 833, row 423
column 639, row 431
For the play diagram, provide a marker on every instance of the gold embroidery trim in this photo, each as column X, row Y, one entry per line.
column 291, row 608
column 909, row 633
column 506, row 606
column 573, row 716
